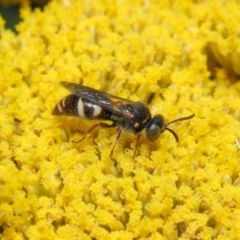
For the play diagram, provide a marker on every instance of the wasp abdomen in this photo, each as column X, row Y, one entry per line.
column 73, row 105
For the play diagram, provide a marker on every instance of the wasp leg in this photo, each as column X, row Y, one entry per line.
column 138, row 139
column 99, row 124
column 120, row 129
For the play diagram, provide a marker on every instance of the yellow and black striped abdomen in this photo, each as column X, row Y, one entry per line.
column 76, row 106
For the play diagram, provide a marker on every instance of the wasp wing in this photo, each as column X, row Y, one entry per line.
column 110, row 102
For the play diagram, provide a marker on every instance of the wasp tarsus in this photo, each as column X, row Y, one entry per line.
column 92, row 104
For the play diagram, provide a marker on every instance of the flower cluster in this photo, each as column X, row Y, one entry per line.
column 180, row 57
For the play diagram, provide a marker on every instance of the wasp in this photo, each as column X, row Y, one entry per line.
column 92, row 104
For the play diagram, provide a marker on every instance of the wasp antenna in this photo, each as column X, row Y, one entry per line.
column 181, row 119
column 173, row 133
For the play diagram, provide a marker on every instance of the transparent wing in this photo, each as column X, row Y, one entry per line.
column 109, row 102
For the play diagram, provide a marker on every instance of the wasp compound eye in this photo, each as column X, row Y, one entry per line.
column 155, row 127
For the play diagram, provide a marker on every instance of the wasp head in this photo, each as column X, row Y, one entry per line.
column 157, row 125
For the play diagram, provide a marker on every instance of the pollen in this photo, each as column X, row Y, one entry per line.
column 178, row 58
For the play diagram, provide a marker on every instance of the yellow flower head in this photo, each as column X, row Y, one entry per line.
column 179, row 58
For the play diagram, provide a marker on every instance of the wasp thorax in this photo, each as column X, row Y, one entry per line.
column 155, row 127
